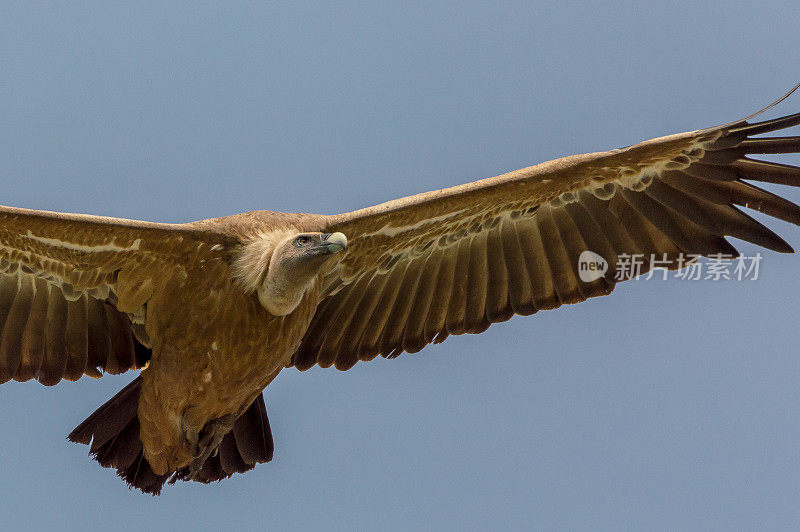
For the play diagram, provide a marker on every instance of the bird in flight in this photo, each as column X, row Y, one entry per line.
column 212, row 311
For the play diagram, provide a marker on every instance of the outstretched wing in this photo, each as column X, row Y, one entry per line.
column 73, row 290
column 457, row 260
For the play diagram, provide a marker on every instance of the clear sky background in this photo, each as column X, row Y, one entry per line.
column 668, row 404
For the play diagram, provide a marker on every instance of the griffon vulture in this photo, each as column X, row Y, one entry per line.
column 211, row 311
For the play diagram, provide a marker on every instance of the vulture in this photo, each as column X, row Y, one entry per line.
column 212, row 311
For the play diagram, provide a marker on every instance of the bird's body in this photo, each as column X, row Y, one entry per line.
column 214, row 310
column 215, row 357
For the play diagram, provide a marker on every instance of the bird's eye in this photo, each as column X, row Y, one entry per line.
column 302, row 241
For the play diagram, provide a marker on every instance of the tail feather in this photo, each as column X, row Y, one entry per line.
column 138, row 474
column 253, row 435
column 112, row 432
column 109, row 419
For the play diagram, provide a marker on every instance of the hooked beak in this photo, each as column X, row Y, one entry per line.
column 334, row 242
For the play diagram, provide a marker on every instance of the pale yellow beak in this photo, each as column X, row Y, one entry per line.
column 336, row 242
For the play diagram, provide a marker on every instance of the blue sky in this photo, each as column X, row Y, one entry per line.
column 668, row 404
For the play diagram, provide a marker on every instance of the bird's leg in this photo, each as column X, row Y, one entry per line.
column 209, row 440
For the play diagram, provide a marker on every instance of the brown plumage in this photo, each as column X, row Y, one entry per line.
column 212, row 311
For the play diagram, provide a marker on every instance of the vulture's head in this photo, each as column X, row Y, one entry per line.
column 284, row 268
